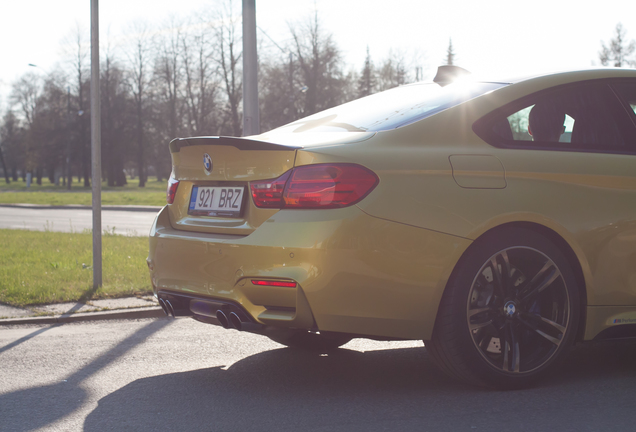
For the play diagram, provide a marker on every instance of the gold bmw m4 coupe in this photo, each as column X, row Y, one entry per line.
column 494, row 220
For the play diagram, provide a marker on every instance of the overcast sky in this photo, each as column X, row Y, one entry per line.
column 498, row 38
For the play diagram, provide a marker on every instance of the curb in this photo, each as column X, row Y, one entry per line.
column 118, row 314
column 153, row 209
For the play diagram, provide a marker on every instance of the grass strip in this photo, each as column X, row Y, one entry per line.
column 154, row 193
column 52, row 267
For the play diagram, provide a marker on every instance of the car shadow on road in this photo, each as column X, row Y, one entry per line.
column 397, row 389
column 37, row 407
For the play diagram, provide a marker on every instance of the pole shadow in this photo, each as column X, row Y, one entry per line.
column 37, row 407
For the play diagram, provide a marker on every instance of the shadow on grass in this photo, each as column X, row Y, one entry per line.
column 85, row 297
column 386, row 390
column 37, row 407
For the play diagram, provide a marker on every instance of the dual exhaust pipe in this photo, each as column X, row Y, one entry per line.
column 200, row 308
column 230, row 320
column 167, row 307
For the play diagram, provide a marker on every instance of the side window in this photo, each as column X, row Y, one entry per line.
column 627, row 92
column 519, row 123
column 583, row 117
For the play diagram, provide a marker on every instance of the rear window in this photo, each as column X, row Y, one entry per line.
column 390, row 109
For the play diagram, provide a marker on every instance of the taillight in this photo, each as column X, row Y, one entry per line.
column 269, row 193
column 315, row 186
column 274, row 283
column 173, row 184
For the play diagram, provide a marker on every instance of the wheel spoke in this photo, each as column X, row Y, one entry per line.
column 507, row 347
column 505, row 272
column 511, row 350
column 477, row 326
column 481, row 324
column 501, row 275
column 542, row 280
column 516, row 359
column 473, row 312
column 559, row 327
column 555, row 340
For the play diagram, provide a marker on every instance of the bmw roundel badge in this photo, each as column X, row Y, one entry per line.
column 510, row 309
column 207, row 163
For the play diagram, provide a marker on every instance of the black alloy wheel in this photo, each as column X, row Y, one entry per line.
column 509, row 311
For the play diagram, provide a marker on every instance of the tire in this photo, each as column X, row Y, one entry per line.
column 308, row 341
column 509, row 312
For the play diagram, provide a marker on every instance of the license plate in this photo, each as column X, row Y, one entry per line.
column 216, row 201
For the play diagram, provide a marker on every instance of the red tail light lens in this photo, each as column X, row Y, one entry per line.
column 274, row 283
column 328, row 186
column 316, row 186
column 173, row 184
column 269, row 193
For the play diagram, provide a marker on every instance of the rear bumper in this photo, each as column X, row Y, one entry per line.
column 354, row 273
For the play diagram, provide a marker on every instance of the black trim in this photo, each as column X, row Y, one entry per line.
column 199, row 306
column 613, row 85
column 618, row 332
column 483, row 127
column 240, row 143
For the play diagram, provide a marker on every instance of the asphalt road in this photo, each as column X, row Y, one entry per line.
column 160, row 375
column 76, row 220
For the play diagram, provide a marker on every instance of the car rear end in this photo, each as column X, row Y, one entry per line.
column 244, row 231
column 283, row 229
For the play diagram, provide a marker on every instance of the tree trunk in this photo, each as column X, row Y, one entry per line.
column 140, row 148
column 4, row 167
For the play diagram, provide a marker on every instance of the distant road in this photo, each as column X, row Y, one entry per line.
column 133, row 223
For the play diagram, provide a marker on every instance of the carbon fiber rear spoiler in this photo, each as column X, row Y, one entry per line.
column 240, row 143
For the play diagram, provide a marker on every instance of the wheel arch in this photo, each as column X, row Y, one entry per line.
column 563, row 245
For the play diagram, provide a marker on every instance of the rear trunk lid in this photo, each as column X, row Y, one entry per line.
column 223, row 166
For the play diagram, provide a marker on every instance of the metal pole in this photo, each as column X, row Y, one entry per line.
column 251, row 120
column 69, row 177
column 96, row 147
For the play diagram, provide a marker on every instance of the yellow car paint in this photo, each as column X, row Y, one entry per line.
column 379, row 268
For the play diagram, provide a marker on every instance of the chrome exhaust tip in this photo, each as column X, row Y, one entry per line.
column 235, row 321
column 163, row 306
column 170, row 308
column 223, row 320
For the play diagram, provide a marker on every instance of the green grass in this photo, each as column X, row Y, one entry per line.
column 154, row 193
column 52, row 267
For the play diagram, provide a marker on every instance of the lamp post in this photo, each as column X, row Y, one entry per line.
column 251, row 120
column 96, row 147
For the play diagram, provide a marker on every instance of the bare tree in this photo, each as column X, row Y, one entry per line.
column 77, row 51
column 320, row 66
column 168, row 89
column 392, row 72
column 4, row 165
column 200, row 84
column 139, row 77
column 11, row 137
column 278, row 93
column 9, row 142
column 114, row 118
column 25, row 94
column 49, row 129
column 229, row 62
column 618, row 52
